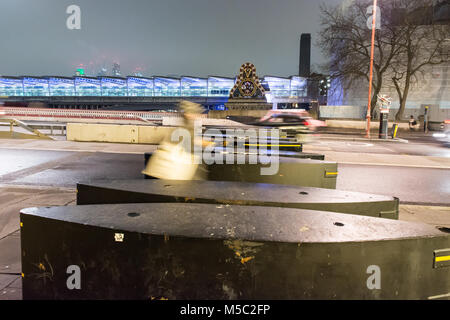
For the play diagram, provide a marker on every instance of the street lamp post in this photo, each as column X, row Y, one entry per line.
column 374, row 20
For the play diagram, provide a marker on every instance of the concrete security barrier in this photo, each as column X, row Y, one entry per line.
column 205, row 251
column 116, row 133
column 281, row 153
column 223, row 192
column 153, row 135
column 291, row 171
column 102, row 133
column 286, row 154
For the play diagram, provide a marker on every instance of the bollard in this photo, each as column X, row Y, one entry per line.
column 383, row 129
column 425, row 120
column 394, row 130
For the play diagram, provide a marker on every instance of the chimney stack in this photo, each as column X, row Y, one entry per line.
column 304, row 69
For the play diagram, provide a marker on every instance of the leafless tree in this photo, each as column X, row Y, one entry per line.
column 346, row 39
column 405, row 44
column 423, row 43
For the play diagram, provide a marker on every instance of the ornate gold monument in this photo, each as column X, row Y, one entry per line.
column 248, row 93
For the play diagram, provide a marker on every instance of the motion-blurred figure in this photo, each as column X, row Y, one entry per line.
column 176, row 158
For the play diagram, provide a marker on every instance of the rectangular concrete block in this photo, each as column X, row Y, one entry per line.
column 102, row 133
column 116, row 133
column 152, row 134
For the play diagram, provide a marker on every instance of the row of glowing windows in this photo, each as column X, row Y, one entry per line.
column 140, row 87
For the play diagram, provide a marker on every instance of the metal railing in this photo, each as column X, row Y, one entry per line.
column 61, row 114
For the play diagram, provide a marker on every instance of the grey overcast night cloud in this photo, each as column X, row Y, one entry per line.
column 158, row 37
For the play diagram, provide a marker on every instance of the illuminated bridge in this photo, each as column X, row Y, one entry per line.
column 139, row 93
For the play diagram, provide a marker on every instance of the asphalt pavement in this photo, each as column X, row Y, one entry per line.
column 380, row 168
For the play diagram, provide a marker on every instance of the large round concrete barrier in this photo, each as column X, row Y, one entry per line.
column 209, row 251
column 224, row 192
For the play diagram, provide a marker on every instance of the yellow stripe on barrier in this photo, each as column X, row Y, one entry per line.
column 442, row 258
column 273, row 145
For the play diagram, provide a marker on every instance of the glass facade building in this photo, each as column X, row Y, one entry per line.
column 219, row 87
column 11, row 86
column 194, row 87
column 140, row 87
column 166, row 87
column 35, row 87
column 114, row 87
column 279, row 87
column 86, row 86
column 143, row 87
column 299, row 87
column 60, row 86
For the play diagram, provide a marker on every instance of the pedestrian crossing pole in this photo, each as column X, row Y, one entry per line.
column 374, row 20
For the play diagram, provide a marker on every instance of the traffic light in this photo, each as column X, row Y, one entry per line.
column 324, row 85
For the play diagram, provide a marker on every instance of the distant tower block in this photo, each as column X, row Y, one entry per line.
column 103, row 72
column 116, row 70
column 305, row 55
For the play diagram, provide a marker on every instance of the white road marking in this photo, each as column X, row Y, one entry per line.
column 354, row 144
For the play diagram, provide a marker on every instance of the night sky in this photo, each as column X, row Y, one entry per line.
column 157, row 37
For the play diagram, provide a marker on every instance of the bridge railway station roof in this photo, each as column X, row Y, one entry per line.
column 155, row 86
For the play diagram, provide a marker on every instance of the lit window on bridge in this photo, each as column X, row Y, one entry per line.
column 140, row 87
column 35, row 87
column 87, row 86
column 11, row 86
column 60, row 86
column 194, row 87
column 167, row 87
column 114, row 87
column 220, row 87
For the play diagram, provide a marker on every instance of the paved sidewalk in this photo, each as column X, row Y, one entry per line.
column 63, row 145
column 355, row 137
column 10, row 268
column 359, row 133
column 375, row 159
column 13, row 199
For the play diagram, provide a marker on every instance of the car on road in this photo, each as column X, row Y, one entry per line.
column 443, row 135
column 294, row 123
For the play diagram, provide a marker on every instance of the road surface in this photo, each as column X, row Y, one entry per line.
column 410, row 182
